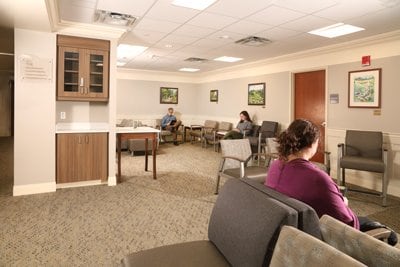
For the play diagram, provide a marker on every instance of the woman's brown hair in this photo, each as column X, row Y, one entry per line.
column 300, row 134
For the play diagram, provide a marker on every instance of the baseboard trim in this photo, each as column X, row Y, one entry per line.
column 112, row 180
column 79, row 184
column 29, row 189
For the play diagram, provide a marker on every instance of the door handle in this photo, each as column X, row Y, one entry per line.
column 323, row 124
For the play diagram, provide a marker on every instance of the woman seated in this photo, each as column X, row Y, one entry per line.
column 295, row 176
column 245, row 125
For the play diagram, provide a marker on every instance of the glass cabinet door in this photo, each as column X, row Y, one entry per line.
column 69, row 72
column 98, row 73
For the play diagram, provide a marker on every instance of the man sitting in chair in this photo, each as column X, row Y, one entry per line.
column 170, row 123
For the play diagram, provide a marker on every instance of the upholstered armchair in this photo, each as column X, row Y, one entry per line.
column 166, row 135
column 268, row 129
column 238, row 162
column 363, row 151
column 198, row 131
column 214, row 136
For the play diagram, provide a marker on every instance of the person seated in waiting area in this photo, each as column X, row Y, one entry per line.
column 245, row 125
column 295, row 176
column 170, row 123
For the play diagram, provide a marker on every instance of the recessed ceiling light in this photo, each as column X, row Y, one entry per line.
column 120, row 63
column 336, row 30
column 224, row 37
column 125, row 51
column 195, row 4
column 228, row 59
column 189, row 69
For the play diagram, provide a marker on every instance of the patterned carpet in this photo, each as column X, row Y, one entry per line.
column 98, row 225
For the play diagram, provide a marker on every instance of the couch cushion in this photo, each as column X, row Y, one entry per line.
column 194, row 254
column 357, row 244
column 308, row 218
column 296, row 248
column 245, row 224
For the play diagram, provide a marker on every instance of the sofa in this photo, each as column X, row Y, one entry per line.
column 243, row 229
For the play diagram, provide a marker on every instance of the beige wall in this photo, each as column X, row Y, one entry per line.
column 34, row 138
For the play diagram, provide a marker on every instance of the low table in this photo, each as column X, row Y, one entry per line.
column 124, row 133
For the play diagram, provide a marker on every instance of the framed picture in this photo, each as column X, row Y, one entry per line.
column 365, row 88
column 168, row 95
column 256, row 94
column 213, row 95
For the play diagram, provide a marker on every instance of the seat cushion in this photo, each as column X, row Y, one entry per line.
column 365, row 164
column 252, row 172
column 196, row 254
column 245, row 224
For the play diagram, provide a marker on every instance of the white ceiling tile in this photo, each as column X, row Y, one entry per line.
column 142, row 37
column 308, row 6
column 212, row 21
column 350, row 9
column 238, row 8
column 156, row 25
column 306, row 24
column 193, row 31
column 277, row 34
column 247, row 27
column 275, row 15
column 178, row 39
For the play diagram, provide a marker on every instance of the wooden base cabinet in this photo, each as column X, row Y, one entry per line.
column 81, row 157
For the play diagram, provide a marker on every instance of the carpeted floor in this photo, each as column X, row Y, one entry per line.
column 98, row 225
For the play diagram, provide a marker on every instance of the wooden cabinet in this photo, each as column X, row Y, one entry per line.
column 81, row 157
column 82, row 69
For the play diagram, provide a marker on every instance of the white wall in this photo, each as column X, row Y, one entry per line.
column 34, row 138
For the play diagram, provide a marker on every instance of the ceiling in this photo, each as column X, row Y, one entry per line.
column 173, row 34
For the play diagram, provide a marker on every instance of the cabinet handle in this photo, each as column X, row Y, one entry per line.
column 87, row 139
column 79, row 140
column 81, row 83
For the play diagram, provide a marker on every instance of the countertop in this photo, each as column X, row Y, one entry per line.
column 82, row 127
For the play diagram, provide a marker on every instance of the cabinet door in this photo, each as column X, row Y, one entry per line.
column 70, row 72
column 97, row 77
column 82, row 157
column 93, row 157
column 66, row 158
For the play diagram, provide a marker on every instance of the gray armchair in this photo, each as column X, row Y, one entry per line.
column 198, row 131
column 214, row 137
column 268, row 129
column 363, row 150
column 238, row 162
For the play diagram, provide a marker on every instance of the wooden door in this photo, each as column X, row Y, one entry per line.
column 310, row 103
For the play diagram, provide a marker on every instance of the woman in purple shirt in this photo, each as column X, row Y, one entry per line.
column 295, row 176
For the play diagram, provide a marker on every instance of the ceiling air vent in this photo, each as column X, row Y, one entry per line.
column 253, row 41
column 113, row 18
column 196, row 59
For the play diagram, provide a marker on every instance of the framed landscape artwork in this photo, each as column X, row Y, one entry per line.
column 213, row 95
column 256, row 94
column 365, row 88
column 168, row 95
